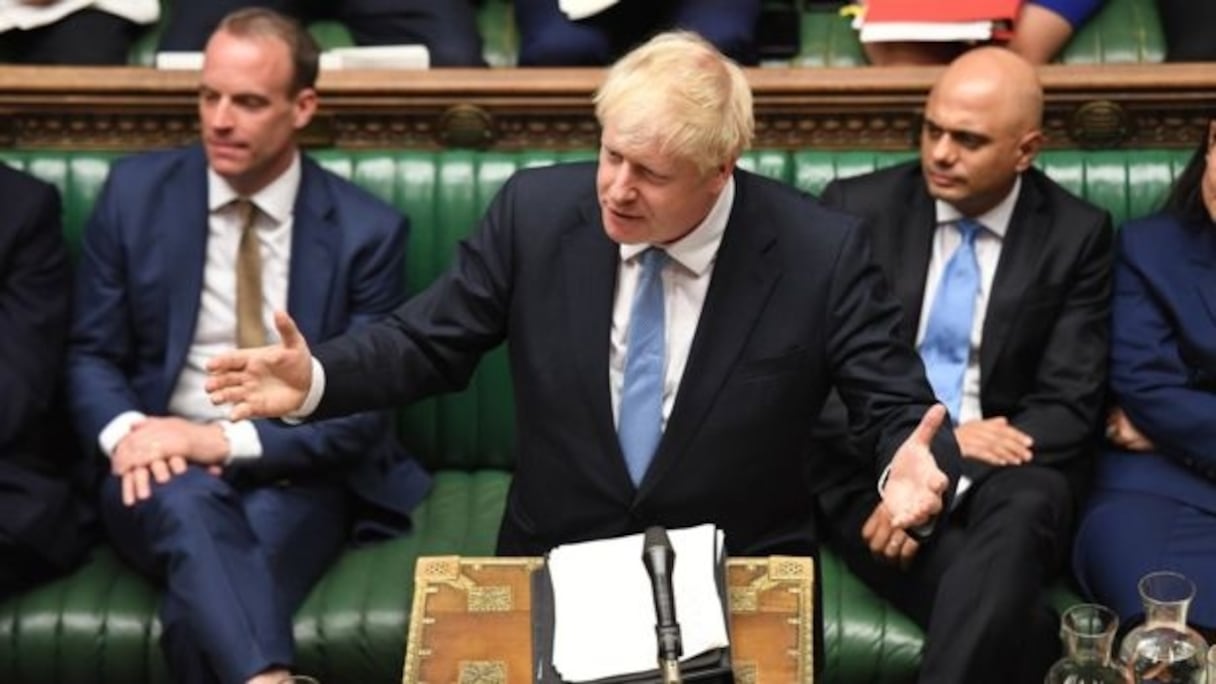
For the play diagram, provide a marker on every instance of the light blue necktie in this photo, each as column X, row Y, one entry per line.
column 947, row 340
column 640, row 418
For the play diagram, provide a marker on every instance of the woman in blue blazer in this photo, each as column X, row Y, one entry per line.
column 1154, row 500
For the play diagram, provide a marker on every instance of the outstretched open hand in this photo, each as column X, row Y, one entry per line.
column 263, row 382
column 914, row 487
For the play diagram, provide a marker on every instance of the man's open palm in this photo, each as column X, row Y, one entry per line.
column 914, row 488
column 263, row 382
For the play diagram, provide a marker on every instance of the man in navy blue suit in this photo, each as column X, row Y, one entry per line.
column 188, row 253
column 42, row 513
column 768, row 300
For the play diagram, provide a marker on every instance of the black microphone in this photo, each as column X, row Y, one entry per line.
column 660, row 560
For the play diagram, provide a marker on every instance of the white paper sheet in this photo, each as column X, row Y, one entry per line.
column 363, row 57
column 887, row 31
column 604, row 619
column 581, row 9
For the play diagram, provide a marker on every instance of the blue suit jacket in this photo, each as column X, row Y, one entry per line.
column 140, row 278
column 794, row 307
column 1163, row 358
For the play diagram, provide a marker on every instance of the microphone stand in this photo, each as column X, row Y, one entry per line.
column 660, row 560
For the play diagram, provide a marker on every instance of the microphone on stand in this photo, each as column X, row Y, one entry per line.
column 660, row 561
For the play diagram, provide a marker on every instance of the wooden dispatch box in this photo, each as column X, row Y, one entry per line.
column 471, row 620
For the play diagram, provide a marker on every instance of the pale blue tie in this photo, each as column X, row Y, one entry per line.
column 640, row 415
column 947, row 340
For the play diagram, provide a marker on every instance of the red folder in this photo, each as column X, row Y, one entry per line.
column 941, row 10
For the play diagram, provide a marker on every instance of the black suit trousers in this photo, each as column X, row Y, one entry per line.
column 976, row 586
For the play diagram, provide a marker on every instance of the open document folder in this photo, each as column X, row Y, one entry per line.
column 603, row 617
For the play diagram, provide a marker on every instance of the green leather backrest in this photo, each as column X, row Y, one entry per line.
column 444, row 193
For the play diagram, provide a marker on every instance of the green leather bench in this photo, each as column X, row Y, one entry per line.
column 1122, row 31
column 99, row 624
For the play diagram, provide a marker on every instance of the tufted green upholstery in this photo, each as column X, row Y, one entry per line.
column 99, row 624
column 1122, row 31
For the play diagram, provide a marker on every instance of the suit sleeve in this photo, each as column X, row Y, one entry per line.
column 376, row 288
column 433, row 342
column 831, row 428
column 880, row 379
column 1166, row 397
column 101, row 346
column 1062, row 411
column 34, row 300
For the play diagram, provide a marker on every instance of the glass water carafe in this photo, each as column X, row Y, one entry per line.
column 1088, row 632
column 1164, row 648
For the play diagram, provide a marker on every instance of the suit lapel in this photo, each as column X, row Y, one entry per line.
column 589, row 261
column 185, row 196
column 315, row 239
column 911, row 257
column 1016, row 272
column 744, row 275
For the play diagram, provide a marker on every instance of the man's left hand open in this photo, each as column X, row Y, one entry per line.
column 914, row 487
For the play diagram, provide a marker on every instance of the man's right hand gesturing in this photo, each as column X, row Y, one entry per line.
column 263, row 382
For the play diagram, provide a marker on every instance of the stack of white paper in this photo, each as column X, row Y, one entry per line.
column 365, row 57
column 604, row 619
column 377, row 57
column 887, row 31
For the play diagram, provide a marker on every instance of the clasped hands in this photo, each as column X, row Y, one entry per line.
column 159, row 448
column 260, row 382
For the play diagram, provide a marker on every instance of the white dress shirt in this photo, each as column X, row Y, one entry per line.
column 685, row 281
column 215, row 329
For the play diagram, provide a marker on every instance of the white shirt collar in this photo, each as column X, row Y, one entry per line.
column 276, row 200
column 696, row 251
column 995, row 220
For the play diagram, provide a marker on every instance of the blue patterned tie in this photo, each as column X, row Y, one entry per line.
column 640, row 418
column 947, row 341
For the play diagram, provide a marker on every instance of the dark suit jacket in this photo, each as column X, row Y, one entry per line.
column 1163, row 359
column 792, row 309
column 40, row 509
column 140, row 279
column 1045, row 336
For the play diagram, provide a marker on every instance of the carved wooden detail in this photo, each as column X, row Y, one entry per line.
column 128, row 108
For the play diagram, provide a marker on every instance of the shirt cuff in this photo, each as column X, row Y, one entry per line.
column 312, row 399
column 964, row 483
column 243, row 441
column 116, row 429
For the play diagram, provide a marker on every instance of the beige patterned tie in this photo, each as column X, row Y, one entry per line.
column 250, row 331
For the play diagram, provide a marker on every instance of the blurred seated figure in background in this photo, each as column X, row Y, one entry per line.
column 42, row 512
column 448, row 28
column 548, row 36
column 1188, row 26
column 1042, row 29
column 1153, row 505
column 67, row 32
